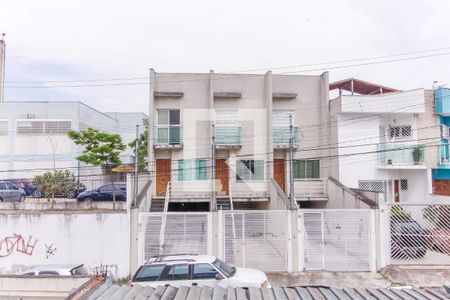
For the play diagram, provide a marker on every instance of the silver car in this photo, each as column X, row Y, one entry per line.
column 57, row 270
column 10, row 193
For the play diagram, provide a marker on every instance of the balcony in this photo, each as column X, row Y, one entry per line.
column 311, row 189
column 442, row 98
column 168, row 136
column 401, row 156
column 444, row 155
column 281, row 137
column 228, row 137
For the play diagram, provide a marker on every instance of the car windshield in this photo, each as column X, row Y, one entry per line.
column 225, row 268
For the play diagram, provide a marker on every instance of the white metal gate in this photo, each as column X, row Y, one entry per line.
column 419, row 234
column 182, row 233
column 336, row 240
column 258, row 239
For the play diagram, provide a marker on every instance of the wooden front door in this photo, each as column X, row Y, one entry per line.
column 396, row 190
column 279, row 172
column 163, row 167
column 222, row 177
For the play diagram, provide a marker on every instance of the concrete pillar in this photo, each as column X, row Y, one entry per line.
column 150, row 135
column 134, row 241
column 269, row 110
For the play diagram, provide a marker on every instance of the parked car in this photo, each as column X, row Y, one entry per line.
column 68, row 191
column 439, row 239
column 201, row 270
column 57, row 270
column 11, row 193
column 24, row 184
column 105, row 193
column 408, row 239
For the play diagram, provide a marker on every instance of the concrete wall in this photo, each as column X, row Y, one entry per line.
column 32, row 288
column 428, row 131
column 98, row 240
column 400, row 102
column 2, row 68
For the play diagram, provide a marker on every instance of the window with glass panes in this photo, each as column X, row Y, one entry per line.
column 306, row 169
column 168, row 126
column 250, row 170
column 192, row 170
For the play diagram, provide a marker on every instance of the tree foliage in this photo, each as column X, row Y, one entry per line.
column 55, row 183
column 142, row 147
column 100, row 148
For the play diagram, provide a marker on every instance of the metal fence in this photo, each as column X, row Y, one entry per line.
column 258, row 239
column 419, row 234
column 182, row 233
column 336, row 240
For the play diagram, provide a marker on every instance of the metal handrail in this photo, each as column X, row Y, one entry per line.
column 164, row 219
column 232, row 213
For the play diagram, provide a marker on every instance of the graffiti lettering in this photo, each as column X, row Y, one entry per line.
column 17, row 243
column 49, row 250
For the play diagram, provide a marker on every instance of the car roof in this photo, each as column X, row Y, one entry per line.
column 180, row 258
column 56, row 268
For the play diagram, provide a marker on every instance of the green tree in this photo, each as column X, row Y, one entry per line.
column 99, row 149
column 142, row 147
column 56, row 183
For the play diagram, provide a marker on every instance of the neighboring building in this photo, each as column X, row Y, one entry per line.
column 2, row 67
column 251, row 116
column 441, row 174
column 33, row 135
column 386, row 139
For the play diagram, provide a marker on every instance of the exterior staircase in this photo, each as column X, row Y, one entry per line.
column 157, row 205
column 223, row 203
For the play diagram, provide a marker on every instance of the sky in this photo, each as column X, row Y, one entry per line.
column 55, row 40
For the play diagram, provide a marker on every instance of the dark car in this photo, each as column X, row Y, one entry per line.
column 408, row 239
column 105, row 193
column 23, row 184
column 67, row 191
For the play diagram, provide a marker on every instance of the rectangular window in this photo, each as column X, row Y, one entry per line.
column 250, row 170
column 3, row 127
column 43, row 127
column 192, row 169
column 400, row 132
column 168, row 129
column 306, row 169
column 168, row 117
column 178, row 272
column 149, row 273
column 204, row 271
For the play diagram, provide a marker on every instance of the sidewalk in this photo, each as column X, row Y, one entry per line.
column 419, row 277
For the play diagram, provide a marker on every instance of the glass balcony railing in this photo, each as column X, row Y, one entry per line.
column 401, row 154
column 444, row 154
column 168, row 135
column 281, row 136
column 228, row 135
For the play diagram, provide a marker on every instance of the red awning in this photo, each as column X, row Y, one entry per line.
column 360, row 87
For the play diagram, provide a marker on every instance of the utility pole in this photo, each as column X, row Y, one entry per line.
column 291, row 164
column 213, row 170
column 136, row 166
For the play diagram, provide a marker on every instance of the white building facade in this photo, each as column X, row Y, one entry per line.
column 33, row 136
column 381, row 145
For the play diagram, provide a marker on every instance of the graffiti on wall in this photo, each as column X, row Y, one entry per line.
column 49, row 250
column 17, row 243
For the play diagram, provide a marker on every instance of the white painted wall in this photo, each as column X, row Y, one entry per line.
column 92, row 239
column 402, row 102
column 359, row 134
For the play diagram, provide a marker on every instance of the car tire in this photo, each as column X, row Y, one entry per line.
column 71, row 194
column 88, row 200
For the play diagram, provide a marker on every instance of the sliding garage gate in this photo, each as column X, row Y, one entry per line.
column 336, row 240
column 256, row 239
